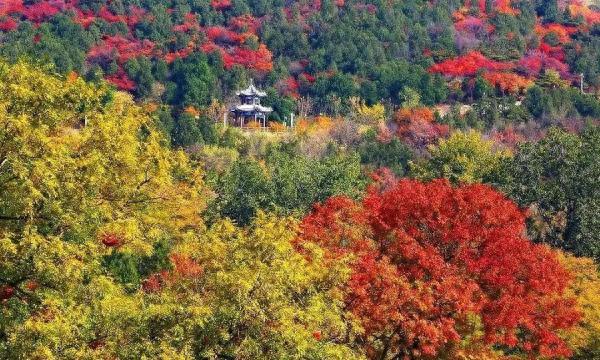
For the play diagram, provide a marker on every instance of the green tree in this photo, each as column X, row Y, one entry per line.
column 558, row 178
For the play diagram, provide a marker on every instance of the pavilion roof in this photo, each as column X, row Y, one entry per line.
column 251, row 91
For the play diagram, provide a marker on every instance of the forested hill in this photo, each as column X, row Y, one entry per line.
column 189, row 52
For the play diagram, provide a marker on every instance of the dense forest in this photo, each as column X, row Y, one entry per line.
column 437, row 197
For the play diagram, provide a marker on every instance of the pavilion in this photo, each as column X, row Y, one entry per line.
column 250, row 108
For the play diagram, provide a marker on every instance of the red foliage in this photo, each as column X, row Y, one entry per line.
column 317, row 335
column 468, row 65
column 416, row 126
column 40, row 11
column 111, row 240
column 289, row 87
column 136, row 15
column 121, row 81
column 84, row 19
column 121, row 48
column 8, row 25
column 535, row 61
column 108, row 16
column 245, row 23
column 370, row 8
column 219, row 34
column 427, row 255
column 508, row 137
column 259, row 60
column 183, row 268
column 154, row 282
column 172, row 56
column 556, row 52
column 6, row 292
column 190, row 23
column 220, row 4
column 308, row 77
column 31, row 285
column 8, row 7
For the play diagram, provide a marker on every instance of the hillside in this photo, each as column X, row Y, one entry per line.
column 190, row 52
column 437, row 196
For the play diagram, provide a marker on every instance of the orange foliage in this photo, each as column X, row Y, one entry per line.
column 505, row 7
column 192, row 111
column 590, row 16
column 416, row 126
column 563, row 32
column 253, row 125
column 276, row 126
column 508, row 82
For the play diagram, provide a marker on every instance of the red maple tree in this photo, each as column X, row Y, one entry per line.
column 468, row 65
column 425, row 257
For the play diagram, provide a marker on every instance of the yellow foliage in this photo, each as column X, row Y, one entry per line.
column 465, row 157
column 253, row 125
column 276, row 126
column 78, row 163
column 584, row 339
column 371, row 115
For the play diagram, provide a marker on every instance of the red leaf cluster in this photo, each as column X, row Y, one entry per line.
column 111, row 240
column 417, row 126
column 154, row 282
column 556, row 52
column 8, row 25
column 220, row 4
column 121, row 81
column 121, row 48
column 536, row 61
column 289, row 87
column 6, row 292
column 40, row 11
column 508, row 137
column 222, row 35
column 84, row 18
column 190, row 23
column 427, row 255
column 468, row 65
column 184, row 268
column 8, row 7
column 245, row 23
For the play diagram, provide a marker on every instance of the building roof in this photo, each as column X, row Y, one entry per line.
column 251, row 91
column 252, row 108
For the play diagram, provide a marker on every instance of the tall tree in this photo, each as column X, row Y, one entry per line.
column 430, row 261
